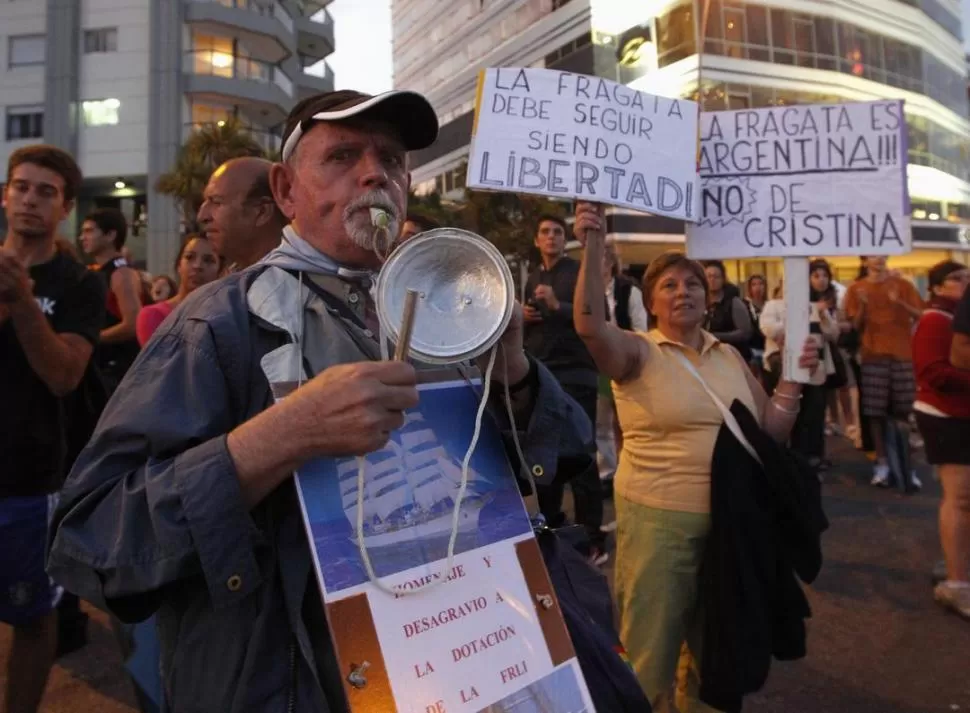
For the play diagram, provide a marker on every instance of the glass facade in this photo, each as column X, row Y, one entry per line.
column 431, row 46
column 939, row 14
column 768, row 34
column 929, row 143
column 225, row 57
column 203, row 114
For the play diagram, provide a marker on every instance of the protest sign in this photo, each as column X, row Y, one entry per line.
column 490, row 634
column 568, row 135
column 797, row 181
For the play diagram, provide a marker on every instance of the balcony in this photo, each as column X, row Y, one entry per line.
column 267, row 30
column 305, row 7
column 240, row 80
column 314, row 37
column 309, row 84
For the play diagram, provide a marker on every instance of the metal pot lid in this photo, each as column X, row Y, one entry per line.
column 465, row 295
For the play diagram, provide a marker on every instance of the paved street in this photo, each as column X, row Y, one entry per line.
column 878, row 642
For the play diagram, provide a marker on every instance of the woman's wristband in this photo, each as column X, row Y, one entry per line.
column 790, row 412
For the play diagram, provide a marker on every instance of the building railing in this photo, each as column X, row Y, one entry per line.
column 280, row 13
column 282, row 81
column 254, row 7
column 222, row 64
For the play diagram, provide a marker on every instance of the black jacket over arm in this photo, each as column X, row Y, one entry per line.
column 766, row 526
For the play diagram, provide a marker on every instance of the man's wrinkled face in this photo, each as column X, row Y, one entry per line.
column 337, row 174
column 33, row 200
column 227, row 215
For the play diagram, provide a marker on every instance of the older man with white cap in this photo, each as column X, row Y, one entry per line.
column 183, row 504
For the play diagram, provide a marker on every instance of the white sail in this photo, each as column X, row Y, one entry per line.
column 431, row 489
column 406, row 484
column 387, row 501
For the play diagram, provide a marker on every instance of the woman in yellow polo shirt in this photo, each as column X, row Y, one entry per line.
column 669, row 423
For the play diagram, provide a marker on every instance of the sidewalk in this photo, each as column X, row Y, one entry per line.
column 87, row 681
column 877, row 644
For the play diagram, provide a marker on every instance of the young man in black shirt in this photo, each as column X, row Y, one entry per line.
column 103, row 235
column 51, row 310
column 551, row 338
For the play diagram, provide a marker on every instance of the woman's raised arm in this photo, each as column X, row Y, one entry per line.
column 618, row 354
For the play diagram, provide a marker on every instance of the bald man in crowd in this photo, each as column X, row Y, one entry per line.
column 238, row 213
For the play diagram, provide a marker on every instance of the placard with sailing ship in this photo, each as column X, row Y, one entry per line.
column 491, row 626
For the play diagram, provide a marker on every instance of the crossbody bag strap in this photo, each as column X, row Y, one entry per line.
column 729, row 420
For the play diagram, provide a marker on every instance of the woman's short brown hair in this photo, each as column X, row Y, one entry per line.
column 667, row 261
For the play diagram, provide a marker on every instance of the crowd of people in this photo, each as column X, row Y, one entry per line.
column 162, row 398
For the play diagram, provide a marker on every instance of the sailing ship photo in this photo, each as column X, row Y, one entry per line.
column 559, row 692
column 410, row 488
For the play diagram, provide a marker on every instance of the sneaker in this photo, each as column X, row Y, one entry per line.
column 598, row 557
column 939, row 573
column 915, row 440
column 916, row 482
column 954, row 596
column 608, row 527
column 880, row 475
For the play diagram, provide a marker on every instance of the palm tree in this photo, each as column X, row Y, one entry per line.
column 207, row 148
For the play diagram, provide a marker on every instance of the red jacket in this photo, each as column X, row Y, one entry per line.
column 938, row 382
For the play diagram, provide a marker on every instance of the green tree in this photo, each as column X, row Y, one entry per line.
column 431, row 206
column 207, row 148
column 507, row 220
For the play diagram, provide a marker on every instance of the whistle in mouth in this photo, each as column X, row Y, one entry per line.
column 379, row 218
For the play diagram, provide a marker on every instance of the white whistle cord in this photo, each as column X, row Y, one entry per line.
column 438, row 578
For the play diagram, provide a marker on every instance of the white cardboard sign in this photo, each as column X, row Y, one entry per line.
column 491, row 634
column 567, row 135
column 798, row 181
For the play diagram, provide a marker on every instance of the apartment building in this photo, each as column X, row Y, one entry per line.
column 121, row 83
column 755, row 53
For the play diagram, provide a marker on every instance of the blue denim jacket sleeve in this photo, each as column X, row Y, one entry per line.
column 557, row 427
column 154, row 498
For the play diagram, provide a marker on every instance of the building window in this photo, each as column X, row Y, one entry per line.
column 211, row 114
column 734, row 35
column 100, row 112
column 103, row 40
column 929, row 143
column 675, row 35
column 213, row 55
column 25, row 122
column 742, row 30
column 757, row 26
column 805, row 40
column 26, row 50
